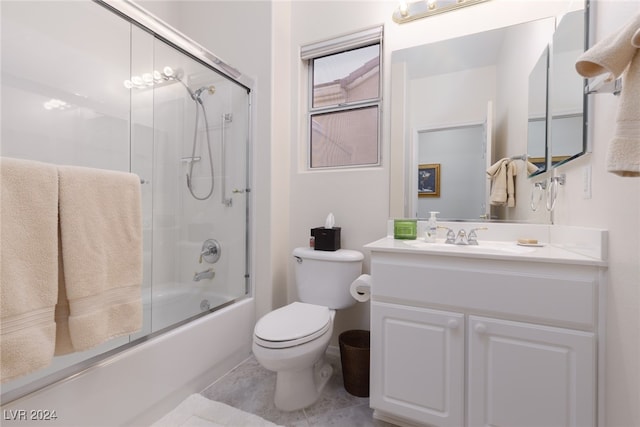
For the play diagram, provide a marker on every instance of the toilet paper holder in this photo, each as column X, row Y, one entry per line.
column 360, row 288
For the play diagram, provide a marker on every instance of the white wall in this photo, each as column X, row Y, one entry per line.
column 615, row 205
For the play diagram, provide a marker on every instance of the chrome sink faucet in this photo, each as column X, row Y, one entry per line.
column 462, row 238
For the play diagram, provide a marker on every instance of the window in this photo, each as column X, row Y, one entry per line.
column 344, row 100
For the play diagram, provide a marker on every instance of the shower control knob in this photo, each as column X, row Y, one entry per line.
column 211, row 251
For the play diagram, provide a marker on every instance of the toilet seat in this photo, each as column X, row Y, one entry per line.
column 292, row 325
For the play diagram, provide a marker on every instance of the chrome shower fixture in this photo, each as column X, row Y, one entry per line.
column 210, row 89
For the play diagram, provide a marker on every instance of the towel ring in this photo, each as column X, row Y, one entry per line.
column 535, row 202
column 552, row 192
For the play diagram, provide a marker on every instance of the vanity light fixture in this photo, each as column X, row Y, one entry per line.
column 148, row 80
column 409, row 11
column 56, row 104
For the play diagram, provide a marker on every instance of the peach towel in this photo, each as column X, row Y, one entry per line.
column 616, row 54
column 101, row 241
column 28, row 265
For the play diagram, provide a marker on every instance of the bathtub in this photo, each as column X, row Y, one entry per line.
column 174, row 304
column 137, row 386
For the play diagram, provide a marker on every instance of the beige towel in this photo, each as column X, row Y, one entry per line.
column 531, row 168
column 28, row 265
column 615, row 54
column 610, row 55
column 101, row 235
column 512, row 171
column 498, row 175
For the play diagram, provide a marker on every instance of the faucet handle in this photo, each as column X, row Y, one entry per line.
column 451, row 235
column 210, row 252
column 472, row 239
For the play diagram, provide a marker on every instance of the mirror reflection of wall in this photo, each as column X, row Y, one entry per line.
column 449, row 84
column 458, row 151
column 537, row 130
column 566, row 95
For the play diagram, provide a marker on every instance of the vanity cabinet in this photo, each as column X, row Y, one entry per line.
column 484, row 340
column 418, row 363
column 528, row 374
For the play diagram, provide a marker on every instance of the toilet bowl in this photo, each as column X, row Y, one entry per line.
column 292, row 340
column 294, row 348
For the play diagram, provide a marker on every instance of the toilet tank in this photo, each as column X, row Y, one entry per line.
column 324, row 277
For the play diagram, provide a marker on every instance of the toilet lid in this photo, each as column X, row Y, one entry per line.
column 294, row 324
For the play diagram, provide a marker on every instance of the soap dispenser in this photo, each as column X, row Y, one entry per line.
column 432, row 228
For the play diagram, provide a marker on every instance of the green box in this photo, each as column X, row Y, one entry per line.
column 406, row 229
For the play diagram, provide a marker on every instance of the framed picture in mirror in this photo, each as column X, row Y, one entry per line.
column 429, row 180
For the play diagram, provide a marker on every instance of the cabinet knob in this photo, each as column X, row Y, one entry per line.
column 453, row 324
column 480, row 328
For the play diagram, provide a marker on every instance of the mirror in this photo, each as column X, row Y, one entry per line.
column 537, row 125
column 567, row 100
column 458, row 86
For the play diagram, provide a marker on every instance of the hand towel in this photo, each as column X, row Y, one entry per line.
column 616, row 54
column 610, row 55
column 512, row 171
column 531, row 168
column 101, row 238
column 498, row 175
column 28, row 265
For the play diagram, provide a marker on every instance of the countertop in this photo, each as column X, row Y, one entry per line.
column 503, row 250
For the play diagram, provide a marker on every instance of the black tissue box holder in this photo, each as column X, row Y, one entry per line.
column 326, row 239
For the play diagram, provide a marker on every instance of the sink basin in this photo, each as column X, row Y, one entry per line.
column 487, row 247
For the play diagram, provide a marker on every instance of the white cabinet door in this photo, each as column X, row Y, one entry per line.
column 523, row 374
column 417, row 364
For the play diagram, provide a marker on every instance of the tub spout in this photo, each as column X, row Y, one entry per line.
column 206, row 274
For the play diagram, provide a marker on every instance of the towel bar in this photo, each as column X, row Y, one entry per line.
column 601, row 84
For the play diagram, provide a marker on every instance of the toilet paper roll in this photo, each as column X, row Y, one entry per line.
column 360, row 288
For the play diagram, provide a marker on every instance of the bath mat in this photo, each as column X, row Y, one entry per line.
column 198, row 411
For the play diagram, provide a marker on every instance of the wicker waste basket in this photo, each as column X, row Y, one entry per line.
column 354, row 356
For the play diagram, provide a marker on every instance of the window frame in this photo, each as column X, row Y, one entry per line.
column 309, row 53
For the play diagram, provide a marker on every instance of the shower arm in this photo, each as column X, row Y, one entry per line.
column 226, row 118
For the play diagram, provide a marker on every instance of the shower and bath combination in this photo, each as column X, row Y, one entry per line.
column 196, row 96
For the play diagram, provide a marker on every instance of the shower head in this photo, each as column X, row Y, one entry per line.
column 210, row 89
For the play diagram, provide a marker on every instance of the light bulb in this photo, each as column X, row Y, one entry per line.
column 168, row 71
column 148, row 79
column 128, row 84
column 137, row 81
column 157, row 76
column 404, row 8
column 431, row 4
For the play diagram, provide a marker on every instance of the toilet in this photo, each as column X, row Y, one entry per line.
column 292, row 340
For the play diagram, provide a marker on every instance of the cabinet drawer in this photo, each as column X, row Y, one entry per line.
column 552, row 295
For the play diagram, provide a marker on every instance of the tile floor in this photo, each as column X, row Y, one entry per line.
column 250, row 387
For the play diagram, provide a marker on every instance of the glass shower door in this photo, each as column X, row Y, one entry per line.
column 199, row 194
